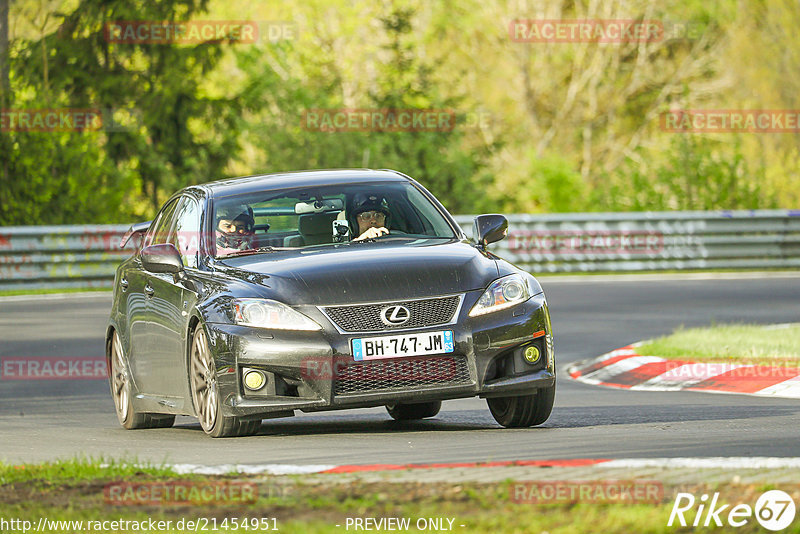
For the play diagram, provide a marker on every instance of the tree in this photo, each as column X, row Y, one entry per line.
column 181, row 134
column 401, row 80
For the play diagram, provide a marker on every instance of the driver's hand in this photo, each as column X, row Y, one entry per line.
column 372, row 233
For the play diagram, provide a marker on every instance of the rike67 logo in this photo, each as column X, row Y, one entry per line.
column 774, row 510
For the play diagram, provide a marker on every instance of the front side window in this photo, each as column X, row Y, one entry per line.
column 159, row 232
column 186, row 234
column 316, row 216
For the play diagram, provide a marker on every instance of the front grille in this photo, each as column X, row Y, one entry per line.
column 383, row 375
column 367, row 317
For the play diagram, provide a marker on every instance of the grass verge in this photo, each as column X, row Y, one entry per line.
column 78, row 491
column 747, row 344
column 50, row 291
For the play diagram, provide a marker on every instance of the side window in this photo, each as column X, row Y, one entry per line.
column 159, row 232
column 186, row 235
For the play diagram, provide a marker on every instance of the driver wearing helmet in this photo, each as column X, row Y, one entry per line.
column 371, row 214
column 235, row 229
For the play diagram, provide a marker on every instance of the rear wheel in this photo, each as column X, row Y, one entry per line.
column 205, row 393
column 525, row 411
column 417, row 410
column 120, row 383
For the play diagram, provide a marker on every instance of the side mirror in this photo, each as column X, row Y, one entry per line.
column 490, row 228
column 163, row 258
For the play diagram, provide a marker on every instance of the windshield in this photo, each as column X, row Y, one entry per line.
column 315, row 216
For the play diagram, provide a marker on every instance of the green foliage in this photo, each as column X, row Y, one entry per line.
column 696, row 173
column 551, row 184
column 180, row 135
column 435, row 158
column 573, row 126
column 58, row 177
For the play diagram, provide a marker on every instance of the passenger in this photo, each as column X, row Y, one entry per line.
column 371, row 215
column 235, row 230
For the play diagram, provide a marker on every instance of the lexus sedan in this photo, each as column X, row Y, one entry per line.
column 251, row 298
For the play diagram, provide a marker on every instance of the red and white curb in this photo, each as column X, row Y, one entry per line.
column 625, row 368
column 289, row 469
column 623, row 463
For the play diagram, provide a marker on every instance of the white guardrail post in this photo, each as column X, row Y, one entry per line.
column 36, row 257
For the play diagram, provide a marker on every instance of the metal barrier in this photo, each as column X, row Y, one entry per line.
column 86, row 256
column 37, row 257
column 651, row 241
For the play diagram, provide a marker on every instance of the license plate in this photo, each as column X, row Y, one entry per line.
column 378, row 348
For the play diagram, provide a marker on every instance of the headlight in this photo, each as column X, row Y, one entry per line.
column 504, row 293
column 263, row 313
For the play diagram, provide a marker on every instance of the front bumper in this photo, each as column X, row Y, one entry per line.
column 305, row 370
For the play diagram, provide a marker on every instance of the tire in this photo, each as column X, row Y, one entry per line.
column 417, row 410
column 205, row 393
column 525, row 411
column 120, row 383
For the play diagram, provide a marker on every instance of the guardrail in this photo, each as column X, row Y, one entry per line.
column 37, row 257
column 33, row 257
column 651, row 241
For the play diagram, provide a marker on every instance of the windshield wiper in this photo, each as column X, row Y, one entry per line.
column 249, row 251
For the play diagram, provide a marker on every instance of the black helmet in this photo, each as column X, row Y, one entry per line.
column 237, row 213
column 367, row 202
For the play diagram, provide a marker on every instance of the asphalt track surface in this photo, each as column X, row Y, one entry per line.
column 50, row 419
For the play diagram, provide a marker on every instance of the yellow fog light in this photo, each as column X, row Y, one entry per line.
column 532, row 354
column 254, row 380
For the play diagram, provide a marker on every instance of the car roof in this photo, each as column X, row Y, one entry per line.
column 261, row 182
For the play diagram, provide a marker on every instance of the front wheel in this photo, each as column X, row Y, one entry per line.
column 120, row 381
column 205, row 393
column 417, row 410
column 525, row 411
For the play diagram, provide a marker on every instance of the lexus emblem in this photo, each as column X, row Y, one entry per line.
column 395, row 315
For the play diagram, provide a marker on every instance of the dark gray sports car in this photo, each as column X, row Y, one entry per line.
column 254, row 297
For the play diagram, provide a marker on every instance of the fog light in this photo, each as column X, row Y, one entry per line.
column 254, row 380
column 532, row 354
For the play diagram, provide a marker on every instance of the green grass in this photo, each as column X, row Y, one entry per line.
column 748, row 344
column 77, row 470
column 50, row 291
column 74, row 491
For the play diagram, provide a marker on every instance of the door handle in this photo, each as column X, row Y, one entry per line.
column 148, row 289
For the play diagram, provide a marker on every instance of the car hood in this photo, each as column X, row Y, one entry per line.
column 365, row 272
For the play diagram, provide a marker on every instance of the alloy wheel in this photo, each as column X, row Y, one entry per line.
column 120, row 380
column 204, row 381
